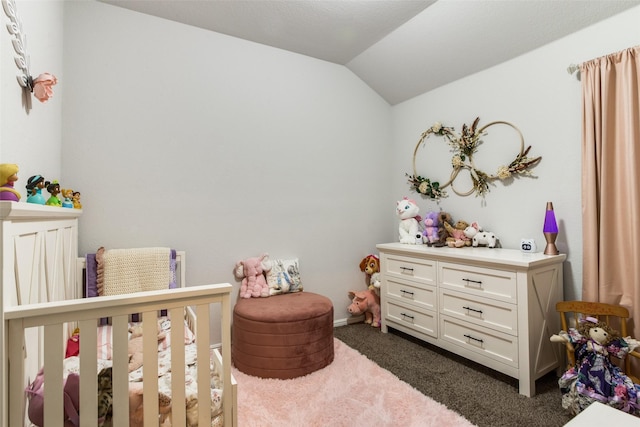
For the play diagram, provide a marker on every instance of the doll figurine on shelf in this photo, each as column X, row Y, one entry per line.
column 34, row 186
column 76, row 200
column 54, row 189
column 67, row 195
column 8, row 176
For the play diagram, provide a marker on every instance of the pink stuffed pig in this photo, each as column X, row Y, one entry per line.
column 251, row 271
column 367, row 303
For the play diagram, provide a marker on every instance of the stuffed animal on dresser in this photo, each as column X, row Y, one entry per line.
column 480, row 237
column 409, row 228
column 431, row 234
column 457, row 238
column 252, row 272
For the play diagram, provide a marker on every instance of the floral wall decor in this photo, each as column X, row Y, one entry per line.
column 463, row 146
column 41, row 86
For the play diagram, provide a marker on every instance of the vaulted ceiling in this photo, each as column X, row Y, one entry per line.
column 400, row 48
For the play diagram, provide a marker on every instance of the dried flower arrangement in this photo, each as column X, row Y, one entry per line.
column 463, row 146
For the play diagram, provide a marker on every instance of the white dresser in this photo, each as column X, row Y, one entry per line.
column 493, row 306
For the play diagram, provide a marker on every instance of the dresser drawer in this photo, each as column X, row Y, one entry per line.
column 418, row 294
column 493, row 314
column 424, row 322
column 484, row 282
column 422, row 270
column 489, row 343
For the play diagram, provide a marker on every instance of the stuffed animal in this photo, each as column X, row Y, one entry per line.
column 595, row 377
column 252, row 272
column 135, row 345
column 457, row 238
column 374, row 283
column 367, row 303
column 443, row 218
column 136, row 408
column 480, row 237
column 409, row 228
column 431, row 234
column 370, row 265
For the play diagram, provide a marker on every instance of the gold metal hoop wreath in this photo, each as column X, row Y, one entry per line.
column 464, row 145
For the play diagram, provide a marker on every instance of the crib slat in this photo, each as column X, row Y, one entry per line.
column 16, row 395
column 120, row 370
column 53, row 396
column 178, row 411
column 204, row 371
column 150, row 367
column 88, row 371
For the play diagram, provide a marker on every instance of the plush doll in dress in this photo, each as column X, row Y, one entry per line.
column 595, row 377
column 252, row 272
column 409, row 227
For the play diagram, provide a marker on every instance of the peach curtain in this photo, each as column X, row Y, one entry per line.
column 611, row 181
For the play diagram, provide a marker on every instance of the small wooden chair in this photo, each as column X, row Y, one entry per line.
column 615, row 316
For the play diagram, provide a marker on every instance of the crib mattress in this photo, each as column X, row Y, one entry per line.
column 284, row 336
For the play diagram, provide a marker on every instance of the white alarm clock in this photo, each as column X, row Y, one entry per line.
column 528, row 245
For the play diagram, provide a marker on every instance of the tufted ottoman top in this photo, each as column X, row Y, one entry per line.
column 283, row 308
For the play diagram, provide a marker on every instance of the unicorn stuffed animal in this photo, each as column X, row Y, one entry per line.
column 409, row 227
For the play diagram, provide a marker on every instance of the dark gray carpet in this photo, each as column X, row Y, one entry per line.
column 483, row 396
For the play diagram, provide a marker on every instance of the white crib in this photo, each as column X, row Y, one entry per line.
column 41, row 304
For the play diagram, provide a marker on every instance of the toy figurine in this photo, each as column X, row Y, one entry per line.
column 54, row 189
column 76, row 200
column 8, row 176
column 34, row 186
column 67, row 194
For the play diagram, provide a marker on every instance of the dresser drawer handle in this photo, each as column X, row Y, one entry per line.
column 406, row 292
column 472, row 309
column 407, row 315
column 407, row 270
column 471, row 281
column 472, row 338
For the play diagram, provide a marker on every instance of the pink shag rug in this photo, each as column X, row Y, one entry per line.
column 352, row 391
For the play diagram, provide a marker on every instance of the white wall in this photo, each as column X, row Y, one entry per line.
column 535, row 93
column 32, row 138
column 224, row 148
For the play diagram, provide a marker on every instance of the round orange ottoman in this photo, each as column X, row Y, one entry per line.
column 282, row 336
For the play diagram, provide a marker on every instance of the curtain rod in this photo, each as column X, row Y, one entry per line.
column 574, row 69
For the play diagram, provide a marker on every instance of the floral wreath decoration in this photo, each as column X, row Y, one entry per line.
column 463, row 147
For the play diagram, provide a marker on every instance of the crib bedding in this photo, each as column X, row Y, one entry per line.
column 71, row 366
